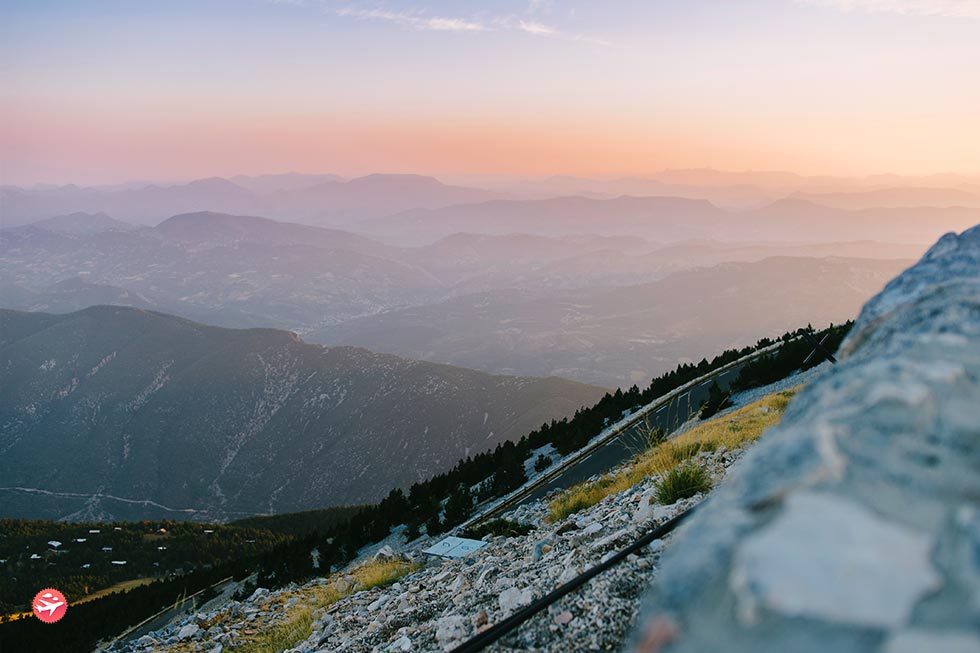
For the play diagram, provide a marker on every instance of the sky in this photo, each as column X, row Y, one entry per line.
column 104, row 92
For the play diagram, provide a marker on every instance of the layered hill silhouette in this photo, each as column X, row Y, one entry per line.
column 119, row 413
column 672, row 219
column 247, row 271
column 316, row 199
column 625, row 335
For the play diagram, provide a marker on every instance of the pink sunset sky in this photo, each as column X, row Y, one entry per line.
column 100, row 92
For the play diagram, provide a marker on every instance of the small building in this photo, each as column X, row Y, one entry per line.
column 54, row 544
column 81, row 539
column 35, row 556
column 118, row 562
column 86, row 565
column 107, row 548
column 94, row 531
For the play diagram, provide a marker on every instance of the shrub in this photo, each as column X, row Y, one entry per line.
column 717, row 401
column 542, row 463
column 434, row 525
column 682, row 482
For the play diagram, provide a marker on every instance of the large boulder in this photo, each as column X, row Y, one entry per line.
column 855, row 524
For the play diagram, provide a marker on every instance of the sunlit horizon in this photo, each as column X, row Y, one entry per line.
column 115, row 91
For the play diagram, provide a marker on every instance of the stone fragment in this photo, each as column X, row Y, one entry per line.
column 513, row 598
column 826, row 557
column 925, row 641
column 259, row 593
column 562, row 618
column 188, row 632
column 480, row 618
column 450, row 630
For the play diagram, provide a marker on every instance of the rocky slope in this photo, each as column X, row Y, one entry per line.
column 116, row 412
column 444, row 602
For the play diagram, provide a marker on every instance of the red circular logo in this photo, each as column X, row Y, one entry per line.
column 49, row 605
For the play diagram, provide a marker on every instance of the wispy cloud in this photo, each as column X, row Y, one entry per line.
column 953, row 8
column 591, row 40
column 423, row 20
column 536, row 28
column 419, row 19
column 414, row 19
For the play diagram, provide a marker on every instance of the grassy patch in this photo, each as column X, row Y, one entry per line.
column 297, row 626
column 682, row 482
column 283, row 634
column 381, row 573
column 732, row 431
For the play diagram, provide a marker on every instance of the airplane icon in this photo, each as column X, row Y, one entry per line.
column 49, row 605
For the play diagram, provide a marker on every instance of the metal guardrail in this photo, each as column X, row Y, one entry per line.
column 609, row 434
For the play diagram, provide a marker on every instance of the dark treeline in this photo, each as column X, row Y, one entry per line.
column 792, row 356
column 438, row 504
column 300, row 523
column 85, row 624
column 78, row 568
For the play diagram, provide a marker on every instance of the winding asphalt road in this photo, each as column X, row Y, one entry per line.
column 623, row 440
column 630, row 441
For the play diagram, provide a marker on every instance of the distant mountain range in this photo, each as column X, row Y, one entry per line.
column 81, row 224
column 657, row 202
column 241, row 271
column 657, row 218
column 118, row 413
column 896, row 197
column 671, row 219
column 227, row 270
column 313, row 199
column 620, row 336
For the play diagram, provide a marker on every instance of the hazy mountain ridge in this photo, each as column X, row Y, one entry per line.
column 624, row 335
column 244, row 271
column 80, row 223
column 146, row 406
column 657, row 218
column 672, row 219
column 230, row 270
column 896, row 197
column 327, row 200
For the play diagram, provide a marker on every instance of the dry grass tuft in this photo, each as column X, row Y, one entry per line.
column 298, row 624
column 682, row 482
column 381, row 573
column 731, row 431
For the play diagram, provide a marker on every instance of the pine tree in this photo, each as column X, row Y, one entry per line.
column 717, row 400
column 459, row 506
